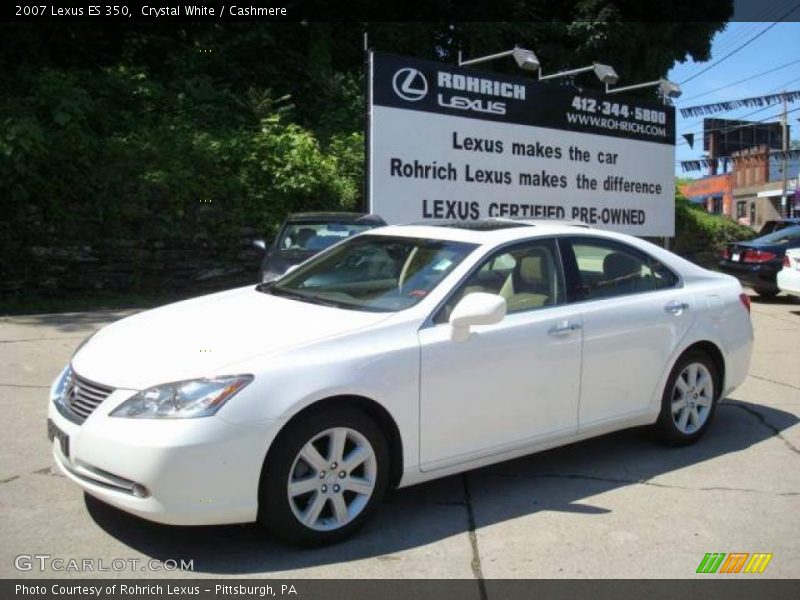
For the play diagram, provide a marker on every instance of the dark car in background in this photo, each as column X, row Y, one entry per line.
column 303, row 235
column 778, row 224
column 756, row 263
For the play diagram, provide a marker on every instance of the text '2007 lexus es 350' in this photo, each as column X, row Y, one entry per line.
column 394, row 357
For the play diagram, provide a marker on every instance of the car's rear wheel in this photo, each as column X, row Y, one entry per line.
column 324, row 477
column 689, row 400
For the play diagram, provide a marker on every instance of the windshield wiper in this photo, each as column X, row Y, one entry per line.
column 298, row 296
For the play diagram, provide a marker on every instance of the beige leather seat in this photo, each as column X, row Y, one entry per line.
column 530, row 284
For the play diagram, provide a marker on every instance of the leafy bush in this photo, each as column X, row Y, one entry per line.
column 700, row 236
column 103, row 168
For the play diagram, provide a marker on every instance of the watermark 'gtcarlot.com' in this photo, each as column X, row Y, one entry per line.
column 47, row 562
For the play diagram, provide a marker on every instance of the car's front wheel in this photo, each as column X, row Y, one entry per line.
column 689, row 400
column 324, row 477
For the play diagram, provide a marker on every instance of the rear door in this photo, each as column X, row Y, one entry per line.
column 634, row 312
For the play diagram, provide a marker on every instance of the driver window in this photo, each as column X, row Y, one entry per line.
column 526, row 275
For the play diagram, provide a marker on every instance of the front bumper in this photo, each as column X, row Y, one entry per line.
column 201, row 471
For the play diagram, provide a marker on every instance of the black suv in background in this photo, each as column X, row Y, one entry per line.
column 303, row 235
column 778, row 224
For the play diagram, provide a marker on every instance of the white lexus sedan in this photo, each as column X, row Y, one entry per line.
column 395, row 357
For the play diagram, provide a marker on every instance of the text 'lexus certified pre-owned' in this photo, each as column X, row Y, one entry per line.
column 397, row 356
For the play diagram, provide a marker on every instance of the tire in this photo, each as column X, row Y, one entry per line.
column 298, row 483
column 687, row 408
column 766, row 293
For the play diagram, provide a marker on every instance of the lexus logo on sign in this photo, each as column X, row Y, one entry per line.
column 410, row 84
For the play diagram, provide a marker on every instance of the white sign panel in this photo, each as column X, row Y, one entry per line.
column 450, row 143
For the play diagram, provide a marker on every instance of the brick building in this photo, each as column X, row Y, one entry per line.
column 758, row 185
column 751, row 192
column 715, row 192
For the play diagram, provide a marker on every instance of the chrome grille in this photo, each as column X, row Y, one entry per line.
column 83, row 396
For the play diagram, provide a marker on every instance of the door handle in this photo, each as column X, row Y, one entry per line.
column 676, row 307
column 564, row 327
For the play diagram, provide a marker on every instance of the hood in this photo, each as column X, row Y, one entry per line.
column 208, row 336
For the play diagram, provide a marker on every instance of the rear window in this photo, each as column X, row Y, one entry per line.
column 318, row 236
column 784, row 236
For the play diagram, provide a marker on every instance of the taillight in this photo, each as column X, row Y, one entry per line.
column 746, row 301
column 786, row 263
column 758, row 256
column 726, row 253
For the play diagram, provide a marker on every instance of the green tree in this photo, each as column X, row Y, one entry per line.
column 130, row 153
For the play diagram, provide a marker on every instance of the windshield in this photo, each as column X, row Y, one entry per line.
column 374, row 273
column 317, row 236
column 784, row 236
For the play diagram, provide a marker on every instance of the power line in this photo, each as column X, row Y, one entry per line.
column 785, row 84
column 726, row 42
column 747, row 43
column 743, row 80
column 744, row 32
column 749, row 29
column 733, row 105
column 690, row 123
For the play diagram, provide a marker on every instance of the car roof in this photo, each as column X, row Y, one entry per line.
column 496, row 236
column 486, row 231
column 316, row 217
column 478, row 225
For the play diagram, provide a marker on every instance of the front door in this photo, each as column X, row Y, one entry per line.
column 509, row 384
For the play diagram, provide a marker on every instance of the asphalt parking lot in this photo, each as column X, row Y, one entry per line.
column 618, row 506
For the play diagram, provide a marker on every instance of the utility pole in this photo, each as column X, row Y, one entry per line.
column 785, row 147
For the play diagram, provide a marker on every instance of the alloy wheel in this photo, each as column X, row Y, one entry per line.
column 332, row 479
column 692, row 398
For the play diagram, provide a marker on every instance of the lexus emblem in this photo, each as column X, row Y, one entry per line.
column 410, row 84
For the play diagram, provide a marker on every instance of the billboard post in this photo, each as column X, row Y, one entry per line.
column 452, row 143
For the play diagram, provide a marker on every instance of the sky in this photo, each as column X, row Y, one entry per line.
column 778, row 45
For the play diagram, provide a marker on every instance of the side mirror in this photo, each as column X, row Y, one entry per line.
column 473, row 309
column 261, row 244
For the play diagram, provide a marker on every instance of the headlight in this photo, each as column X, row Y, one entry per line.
column 60, row 385
column 182, row 399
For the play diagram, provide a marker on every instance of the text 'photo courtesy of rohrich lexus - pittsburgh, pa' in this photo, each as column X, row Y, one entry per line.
column 397, row 356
